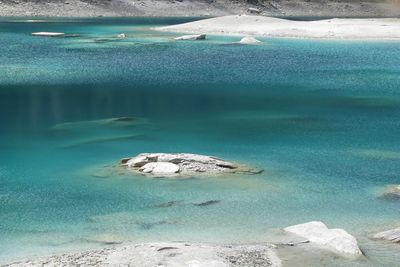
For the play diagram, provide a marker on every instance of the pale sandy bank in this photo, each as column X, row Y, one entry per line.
column 385, row 28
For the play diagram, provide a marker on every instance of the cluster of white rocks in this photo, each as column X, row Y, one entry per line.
column 182, row 164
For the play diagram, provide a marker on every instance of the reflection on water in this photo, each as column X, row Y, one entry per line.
column 322, row 119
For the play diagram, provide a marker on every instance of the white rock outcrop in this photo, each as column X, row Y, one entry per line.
column 337, row 240
column 191, row 37
column 166, row 168
column 390, row 235
column 249, row 40
column 184, row 164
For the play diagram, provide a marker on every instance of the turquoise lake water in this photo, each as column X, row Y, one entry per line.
column 322, row 118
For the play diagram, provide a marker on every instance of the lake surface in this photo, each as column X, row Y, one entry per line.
column 322, row 118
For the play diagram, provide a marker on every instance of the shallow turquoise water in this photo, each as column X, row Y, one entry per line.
column 321, row 117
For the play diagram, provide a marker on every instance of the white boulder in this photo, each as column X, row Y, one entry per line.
column 163, row 168
column 191, row 37
column 337, row 240
column 254, row 10
column 390, row 235
column 249, row 40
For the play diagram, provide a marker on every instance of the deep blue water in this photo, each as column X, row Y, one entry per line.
column 321, row 117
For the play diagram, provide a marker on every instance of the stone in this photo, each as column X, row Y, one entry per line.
column 391, row 192
column 165, row 168
column 107, row 239
column 49, row 34
column 168, row 204
column 390, row 235
column 254, row 10
column 337, row 240
column 138, row 161
column 207, row 203
column 249, row 40
column 191, row 37
column 183, row 164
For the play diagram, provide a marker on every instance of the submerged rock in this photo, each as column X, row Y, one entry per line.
column 207, row 203
column 249, row 40
column 107, row 239
column 337, row 240
column 167, row 204
column 164, row 165
column 191, row 37
column 390, row 235
column 78, row 125
column 391, row 192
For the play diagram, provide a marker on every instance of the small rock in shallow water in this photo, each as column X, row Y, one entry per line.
column 167, row 204
column 391, row 192
column 390, row 235
column 207, row 203
column 249, row 40
column 337, row 239
column 191, row 37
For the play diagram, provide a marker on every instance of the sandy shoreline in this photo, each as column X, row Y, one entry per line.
column 388, row 28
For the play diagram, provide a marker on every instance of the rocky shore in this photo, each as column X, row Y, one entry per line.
column 173, row 254
column 312, row 237
column 113, row 8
